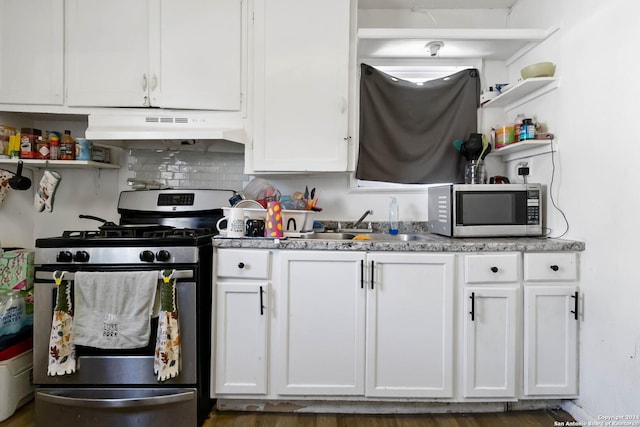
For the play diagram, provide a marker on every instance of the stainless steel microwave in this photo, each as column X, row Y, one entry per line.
column 486, row 210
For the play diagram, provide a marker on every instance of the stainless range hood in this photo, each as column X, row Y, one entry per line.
column 166, row 125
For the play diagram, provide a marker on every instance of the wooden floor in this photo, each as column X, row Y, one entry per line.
column 24, row 417
column 541, row 418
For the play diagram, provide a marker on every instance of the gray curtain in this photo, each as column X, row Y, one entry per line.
column 407, row 131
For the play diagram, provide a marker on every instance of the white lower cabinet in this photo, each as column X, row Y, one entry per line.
column 490, row 301
column 551, row 317
column 402, row 325
column 490, row 348
column 410, row 325
column 408, row 319
column 321, row 307
column 241, row 319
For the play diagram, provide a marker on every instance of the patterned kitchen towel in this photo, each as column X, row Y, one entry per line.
column 166, row 363
column 62, row 351
column 113, row 309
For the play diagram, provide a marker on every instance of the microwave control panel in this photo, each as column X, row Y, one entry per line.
column 533, row 207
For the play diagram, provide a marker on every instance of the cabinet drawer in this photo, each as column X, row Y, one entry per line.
column 496, row 268
column 549, row 267
column 244, row 264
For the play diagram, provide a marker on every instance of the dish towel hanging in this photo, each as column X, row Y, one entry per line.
column 62, row 351
column 166, row 363
column 113, row 309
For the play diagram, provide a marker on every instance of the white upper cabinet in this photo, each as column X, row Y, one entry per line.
column 301, row 76
column 159, row 53
column 31, row 52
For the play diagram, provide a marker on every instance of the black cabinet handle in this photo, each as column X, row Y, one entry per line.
column 261, row 302
column 554, row 267
column 575, row 305
column 473, row 306
column 361, row 274
column 494, row 269
column 372, row 273
column 241, row 265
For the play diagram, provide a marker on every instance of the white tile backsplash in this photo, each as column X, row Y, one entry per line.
column 189, row 169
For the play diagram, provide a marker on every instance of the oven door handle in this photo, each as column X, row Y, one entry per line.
column 133, row 402
column 48, row 275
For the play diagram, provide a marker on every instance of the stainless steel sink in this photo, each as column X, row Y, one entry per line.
column 373, row 236
column 330, row 236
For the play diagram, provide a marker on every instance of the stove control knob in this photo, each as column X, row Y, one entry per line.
column 81, row 256
column 147, row 256
column 163, row 255
column 64, row 256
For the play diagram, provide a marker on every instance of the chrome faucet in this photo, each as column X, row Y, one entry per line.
column 364, row 215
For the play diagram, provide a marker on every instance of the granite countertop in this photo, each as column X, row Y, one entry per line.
column 428, row 243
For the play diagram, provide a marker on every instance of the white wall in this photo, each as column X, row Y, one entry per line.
column 597, row 111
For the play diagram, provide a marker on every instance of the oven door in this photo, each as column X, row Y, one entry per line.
column 114, row 367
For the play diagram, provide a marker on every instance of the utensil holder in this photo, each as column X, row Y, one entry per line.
column 475, row 172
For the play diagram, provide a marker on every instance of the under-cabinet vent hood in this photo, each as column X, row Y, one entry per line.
column 166, row 125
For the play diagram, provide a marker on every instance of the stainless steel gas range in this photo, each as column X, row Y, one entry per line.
column 159, row 230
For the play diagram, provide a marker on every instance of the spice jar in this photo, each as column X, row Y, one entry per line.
column 67, row 147
column 43, row 152
column 54, row 147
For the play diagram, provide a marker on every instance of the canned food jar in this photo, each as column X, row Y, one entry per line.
column 528, row 130
column 504, row 136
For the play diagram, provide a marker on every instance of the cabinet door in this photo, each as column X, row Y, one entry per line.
column 490, row 320
column 550, row 340
column 196, row 54
column 31, row 52
column 410, row 325
column 107, row 53
column 301, row 73
column 321, row 323
column 241, row 337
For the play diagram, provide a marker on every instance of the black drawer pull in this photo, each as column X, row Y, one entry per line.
column 473, row 306
column 494, row 269
column 372, row 273
column 361, row 274
column 575, row 305
column 241, row 265
column 261, row 302
column 554, row 267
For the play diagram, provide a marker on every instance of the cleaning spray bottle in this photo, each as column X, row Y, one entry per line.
column 393, row 216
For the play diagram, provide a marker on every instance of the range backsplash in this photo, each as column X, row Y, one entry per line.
column 189, row 169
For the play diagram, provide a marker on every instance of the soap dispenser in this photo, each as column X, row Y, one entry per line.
column 393, row 216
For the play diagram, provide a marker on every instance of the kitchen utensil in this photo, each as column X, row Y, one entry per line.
column 457, row 143
column 488, row 150
column 19, row 182
column 540, row 69
column 485, row 146
column 473, row 146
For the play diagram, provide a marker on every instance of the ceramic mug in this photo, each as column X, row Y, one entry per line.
column 255, row 228
column 235, row 223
